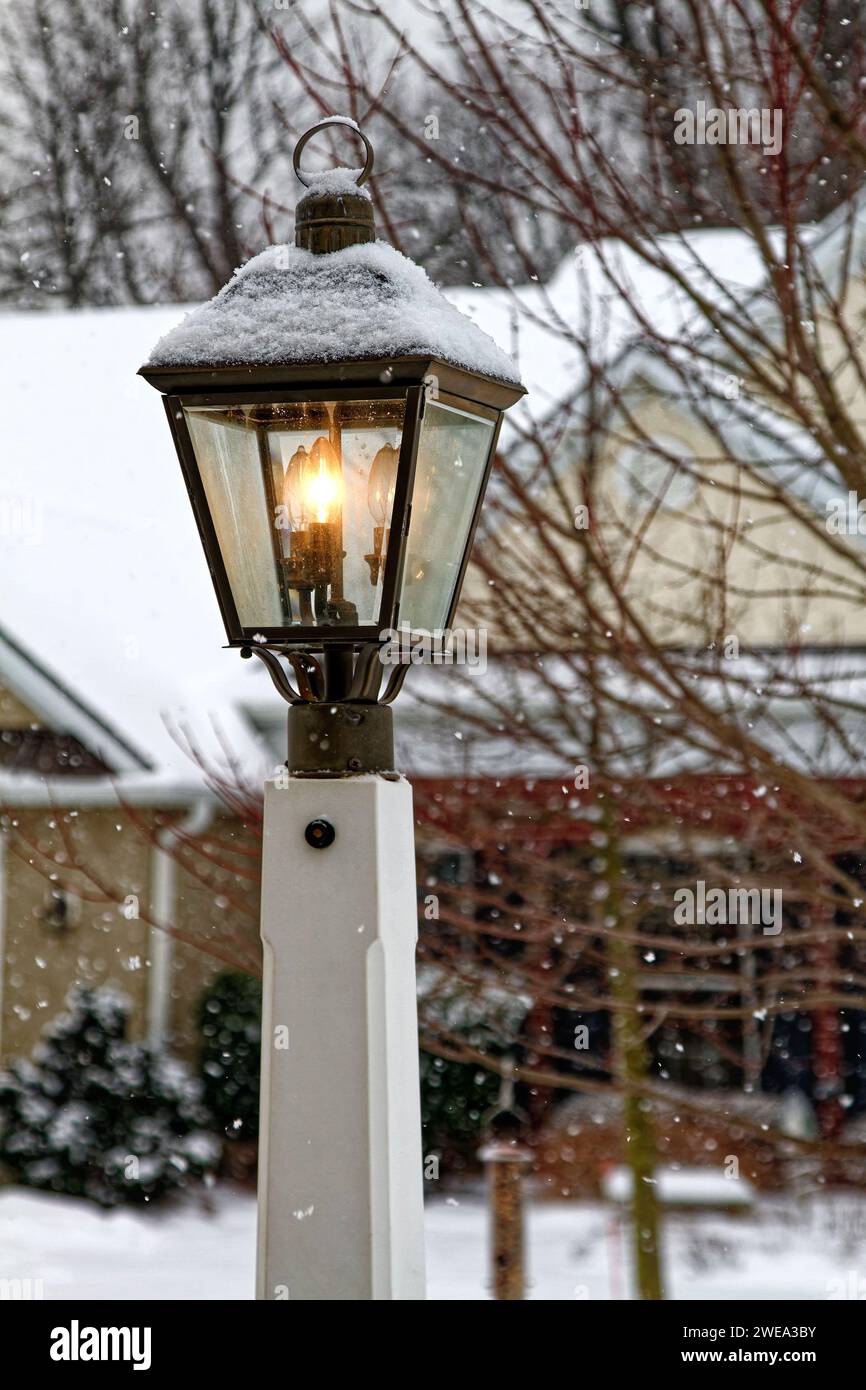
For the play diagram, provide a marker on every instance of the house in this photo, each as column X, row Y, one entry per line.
column 110, row 653
column 713, row 502
column 110, row 646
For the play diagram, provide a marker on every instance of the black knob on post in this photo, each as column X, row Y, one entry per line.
column 320, row 834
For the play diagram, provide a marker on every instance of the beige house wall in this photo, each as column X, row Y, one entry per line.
column 100, row 941
column 723, row 564
column 100, row 944
column 227, row 918
column 14, row 714
column 733, row 559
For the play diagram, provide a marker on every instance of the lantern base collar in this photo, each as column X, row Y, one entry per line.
column 341, row 740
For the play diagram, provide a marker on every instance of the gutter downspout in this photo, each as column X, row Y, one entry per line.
column 163, row 900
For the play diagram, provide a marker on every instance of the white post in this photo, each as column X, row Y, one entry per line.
column 340, row 1166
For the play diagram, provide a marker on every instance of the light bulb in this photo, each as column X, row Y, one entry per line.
column 293, row 498
column 381, row 484
column 321, row 482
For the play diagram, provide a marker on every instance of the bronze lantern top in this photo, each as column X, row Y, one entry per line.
column 336, row 418
column 336, row 211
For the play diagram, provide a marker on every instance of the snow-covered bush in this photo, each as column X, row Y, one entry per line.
column 456, row 1096
column 230, row 1018
column 92, row 1115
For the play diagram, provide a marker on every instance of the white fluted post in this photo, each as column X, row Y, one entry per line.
column 340, row 1166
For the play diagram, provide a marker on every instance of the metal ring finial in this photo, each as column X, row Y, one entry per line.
column 329, row 123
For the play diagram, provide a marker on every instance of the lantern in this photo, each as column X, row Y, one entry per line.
column 336, row 421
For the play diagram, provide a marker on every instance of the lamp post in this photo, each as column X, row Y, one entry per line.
column 336, row 421
column 506, row 1158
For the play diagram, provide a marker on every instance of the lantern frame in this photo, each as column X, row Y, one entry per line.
column 413, row 380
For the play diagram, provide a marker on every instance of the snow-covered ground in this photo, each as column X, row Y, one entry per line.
column 784, row 1250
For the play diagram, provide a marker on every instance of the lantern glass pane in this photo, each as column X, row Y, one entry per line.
column 300, row 495
column 453, row 451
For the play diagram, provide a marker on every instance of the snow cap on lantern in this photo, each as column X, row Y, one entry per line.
column 319, row 369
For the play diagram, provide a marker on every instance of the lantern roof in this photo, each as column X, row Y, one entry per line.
column 289, row 306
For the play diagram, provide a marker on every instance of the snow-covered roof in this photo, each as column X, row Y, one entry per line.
column 288, row 305
column 595, row 309
column 55, row 705
column 101, row 568
column 803, row 708
column 596, row 303
column 778, row 449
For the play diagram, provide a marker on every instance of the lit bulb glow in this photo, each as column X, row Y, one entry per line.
column 322, row 482
column 313, row 485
